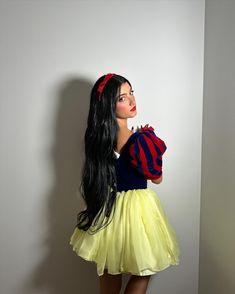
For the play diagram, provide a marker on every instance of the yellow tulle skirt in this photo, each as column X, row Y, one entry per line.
column 139, row 240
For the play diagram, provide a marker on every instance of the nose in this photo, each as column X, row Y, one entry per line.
column 132, row 100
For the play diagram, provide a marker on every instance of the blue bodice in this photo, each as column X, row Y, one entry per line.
column 128, row 178
column 140, row 159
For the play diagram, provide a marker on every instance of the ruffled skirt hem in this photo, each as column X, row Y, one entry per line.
column 139, row 240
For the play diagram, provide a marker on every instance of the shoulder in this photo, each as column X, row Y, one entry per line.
column 145, row 139
column 143, row 131
column 145, row 152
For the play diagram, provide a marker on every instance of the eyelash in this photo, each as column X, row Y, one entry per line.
column 123, row 97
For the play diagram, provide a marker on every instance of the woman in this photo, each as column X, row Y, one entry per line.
column 123, row 228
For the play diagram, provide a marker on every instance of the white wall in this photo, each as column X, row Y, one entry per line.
column 217, row 244
column 51, row 53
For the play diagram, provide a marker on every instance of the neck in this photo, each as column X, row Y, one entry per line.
column 122, row 124
column 123, row 134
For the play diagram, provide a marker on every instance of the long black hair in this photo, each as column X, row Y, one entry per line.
column 98, row 184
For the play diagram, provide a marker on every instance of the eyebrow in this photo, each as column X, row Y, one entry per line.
column 123, row 94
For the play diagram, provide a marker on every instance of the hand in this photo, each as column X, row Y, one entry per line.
column 157, row 181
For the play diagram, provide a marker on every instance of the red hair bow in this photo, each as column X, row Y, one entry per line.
column 104, row 82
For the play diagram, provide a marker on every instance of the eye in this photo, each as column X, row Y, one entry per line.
column 121, row 98
column 132, row 92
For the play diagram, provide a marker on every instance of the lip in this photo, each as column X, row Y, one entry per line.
column 133, row 109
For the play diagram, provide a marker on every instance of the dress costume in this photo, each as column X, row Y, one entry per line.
column 139, row 239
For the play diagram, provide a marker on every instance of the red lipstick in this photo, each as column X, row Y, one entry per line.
column 133, row 109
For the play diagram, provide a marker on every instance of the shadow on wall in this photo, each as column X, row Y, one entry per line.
column 61, row 271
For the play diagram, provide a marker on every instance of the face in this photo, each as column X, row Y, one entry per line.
column 126, row 105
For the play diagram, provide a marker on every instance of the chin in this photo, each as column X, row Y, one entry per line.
column 133, row 113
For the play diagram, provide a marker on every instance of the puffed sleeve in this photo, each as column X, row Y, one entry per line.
column 146, row 152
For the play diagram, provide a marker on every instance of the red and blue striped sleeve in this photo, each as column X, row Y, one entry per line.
column 146, row 153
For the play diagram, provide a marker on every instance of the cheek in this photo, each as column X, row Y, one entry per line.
column 120, row 108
